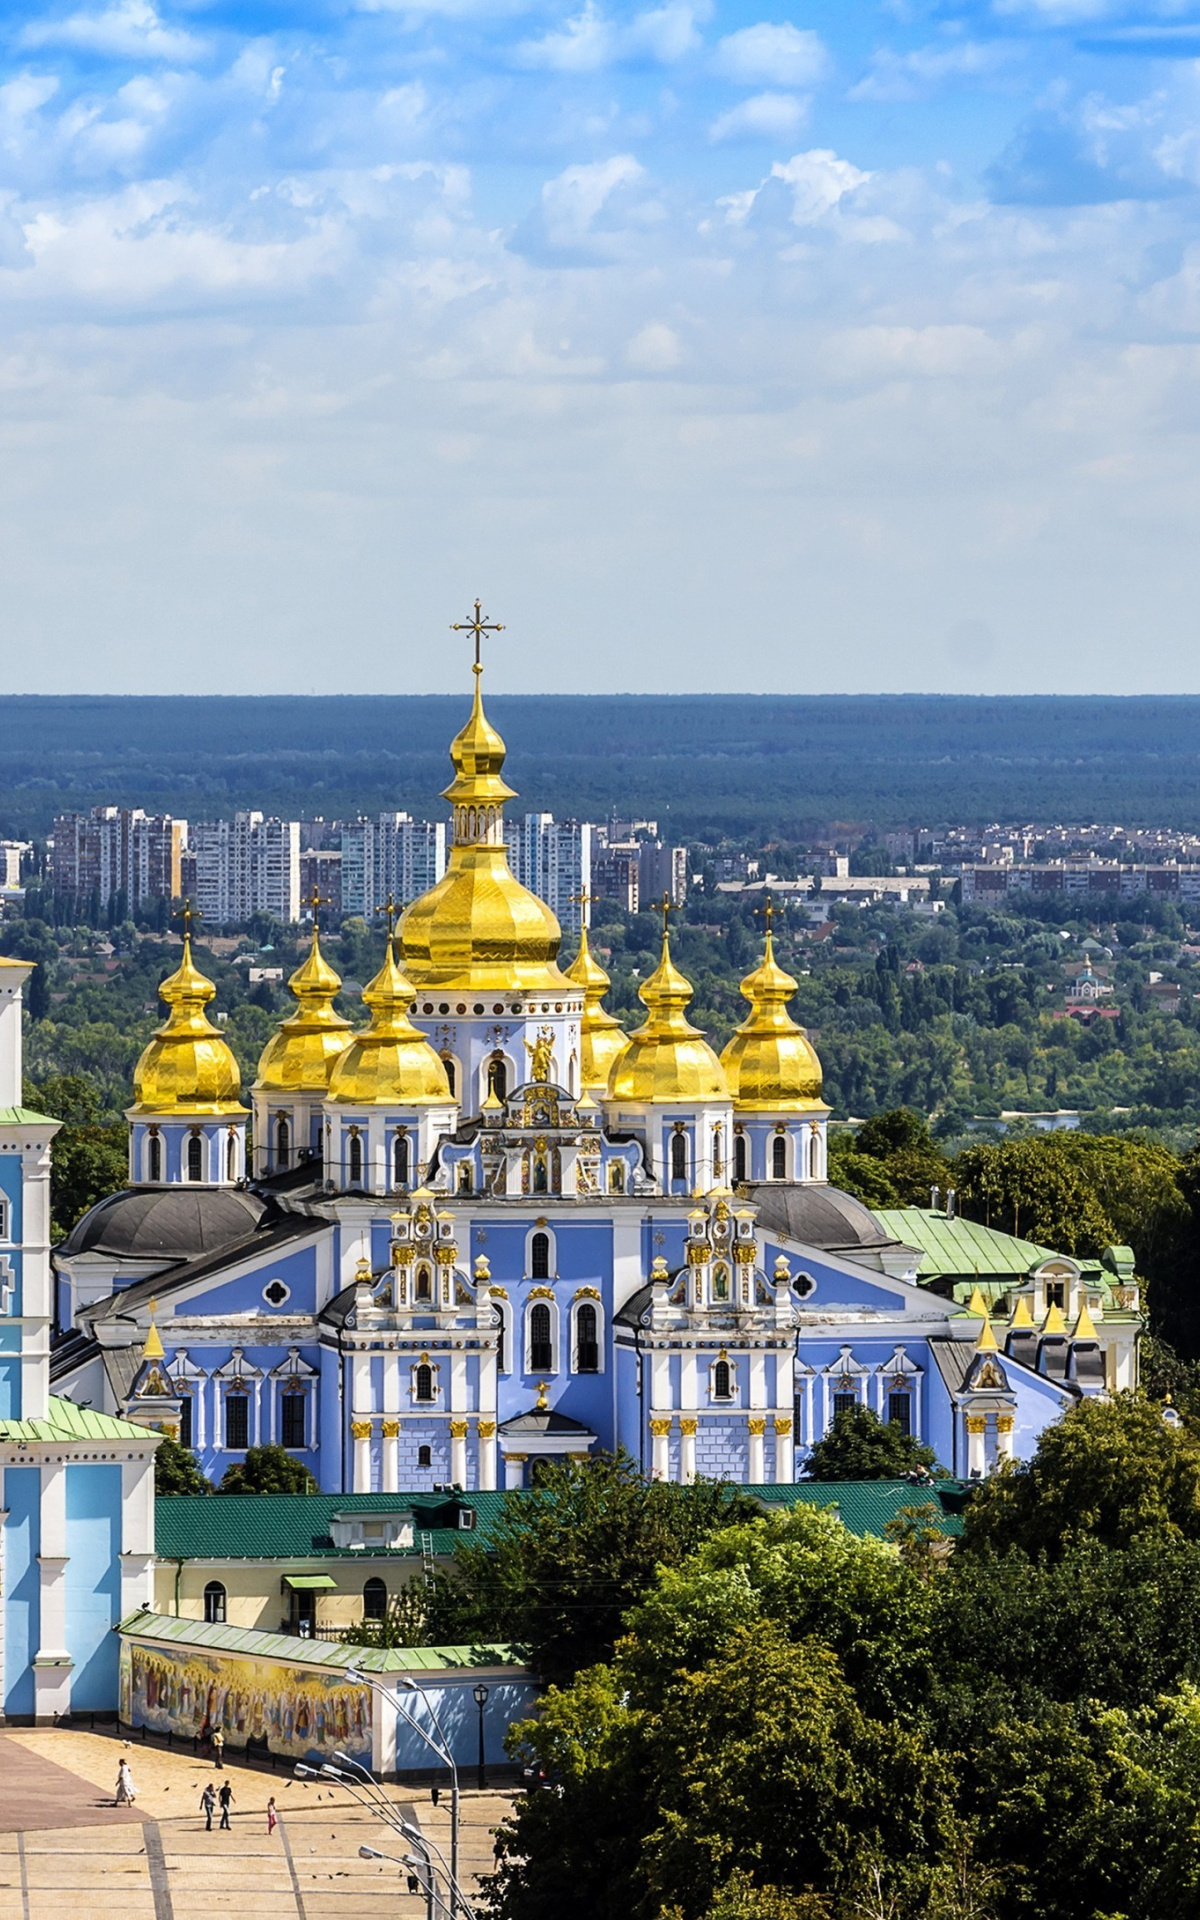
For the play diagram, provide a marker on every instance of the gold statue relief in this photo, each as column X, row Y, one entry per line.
column 541, row 1056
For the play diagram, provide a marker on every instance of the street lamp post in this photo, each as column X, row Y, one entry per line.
column 423, row 1866
column 358, row 1678
column 481, row 1696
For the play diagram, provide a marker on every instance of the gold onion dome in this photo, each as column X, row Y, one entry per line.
column 304, row 1049
column 479, row 930
column 390, row 1063
column 771, row 1062
column 667, row 1059
column 187, row 1067
column 602, row 1039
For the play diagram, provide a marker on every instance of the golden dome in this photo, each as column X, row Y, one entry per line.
column 667, row 1059
column 187, row 1067
column 391, row 1063
column 602, row 1039
column 303, row 1051
column 479, row 930
column 770, row 1062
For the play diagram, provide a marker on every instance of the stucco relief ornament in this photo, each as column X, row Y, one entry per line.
column 541, row 1056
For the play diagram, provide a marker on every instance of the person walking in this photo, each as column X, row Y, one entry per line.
column 272, row 1816
column 126, row 1792
column 218, row 1747
column 208, row 1805
column 225, row 1797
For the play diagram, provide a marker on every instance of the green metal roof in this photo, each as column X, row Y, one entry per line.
column 65, row 1421
column 867, row 1506
column 145, row 1625
column 25, row 1116
column 952, row 1249
column 296, row 1526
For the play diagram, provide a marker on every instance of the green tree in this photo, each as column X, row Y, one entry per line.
column 268, row 1470
column 177, row 1470
column 405, row 1623
column 860, row 1446
column 90, row 1159
column 1111, row 1471
column 1037, row 1190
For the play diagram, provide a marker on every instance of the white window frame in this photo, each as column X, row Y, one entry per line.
column 551, row 1258
column 577, row 1304
column 543, row 1300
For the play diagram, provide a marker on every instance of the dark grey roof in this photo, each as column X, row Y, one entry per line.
column 818, row 1216
column 165, row 1223
column 542, row 1421
column 272, row 1235
column 630, row 1315
column 71, row 1350
column 953, row 1359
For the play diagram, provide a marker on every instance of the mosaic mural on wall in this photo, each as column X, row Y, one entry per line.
column 262, row 1704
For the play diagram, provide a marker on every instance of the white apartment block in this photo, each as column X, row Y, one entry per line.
column 247, row 865
column 553, row 858
column 391, row 854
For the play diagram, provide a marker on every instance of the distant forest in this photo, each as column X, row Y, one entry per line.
column 706, row 766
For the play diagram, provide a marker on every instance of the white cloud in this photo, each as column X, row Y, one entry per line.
column 573, row 201
column 656, row 349
column 784, row 55
column 590, row 41
column 130, row 30
column 819, row 182
column 665, row 34
column 908, row 76
column 765, row 116
column 587, row 42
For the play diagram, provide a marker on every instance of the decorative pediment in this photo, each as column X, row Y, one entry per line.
column 986, row 1375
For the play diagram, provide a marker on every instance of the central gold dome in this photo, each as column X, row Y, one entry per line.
column 479, row 930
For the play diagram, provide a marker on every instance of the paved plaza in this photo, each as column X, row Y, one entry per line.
column 66, row 1853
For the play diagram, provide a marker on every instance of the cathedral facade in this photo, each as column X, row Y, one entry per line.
column 488, row 1227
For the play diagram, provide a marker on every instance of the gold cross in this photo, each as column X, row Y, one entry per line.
column 186, row 912
column 478, row 626
column 666, row 906
column 768, row 910
column 392, row 913
column 315, row 903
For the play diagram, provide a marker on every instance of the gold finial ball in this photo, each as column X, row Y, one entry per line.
column 782, row 1271
column 483, row 1269
column 658, row 1271
column 362, row 1272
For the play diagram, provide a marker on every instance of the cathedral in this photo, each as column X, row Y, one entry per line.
column 488, row 1227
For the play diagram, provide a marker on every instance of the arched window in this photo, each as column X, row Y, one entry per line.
column 900, row 1411
column 451, row 1075
column 739, row 1157
column 679, row 1156
column 424, row 1456
column 465, row 1176
column 424, row 1382
column 424, row 1284
column 195, row 1157
column 616, row 1176
column 154, row 1158
column 541, row 1350
column 539, row 1257
column 356, row 1160
column 214, row 1604
column 231, row 1157
column 237, row 1422
column 283, row 1141
column 185, row 1419
column 292, row 1422
column 722, row 1381
column 374, row 1600
column 498, row 1077
column 587, row 1346
column 779, row 1157
column 400, row 1160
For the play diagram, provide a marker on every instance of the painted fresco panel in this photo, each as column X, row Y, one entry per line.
column 264, row 1705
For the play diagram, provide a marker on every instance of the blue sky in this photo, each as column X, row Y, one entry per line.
column 715, row 344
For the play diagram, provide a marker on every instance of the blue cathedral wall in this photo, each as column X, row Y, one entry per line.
column 22, row 1584
column 10, row 1373
column 93, row 1583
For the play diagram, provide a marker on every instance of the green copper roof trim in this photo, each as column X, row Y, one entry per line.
column 958, row 1246
column 211, row 1638
column 26, row 1117
column 65, row 1421
column 867, row 1506
column 298, row 1526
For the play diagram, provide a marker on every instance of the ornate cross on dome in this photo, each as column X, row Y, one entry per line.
column 584, row 899
column 314, row 903
column 391, row 913
column 666, row 906
column 768, row 910
column 478, row 625
column 186, row 912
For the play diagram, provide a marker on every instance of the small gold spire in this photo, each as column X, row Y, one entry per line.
column 542, row 1404
column 1085, row 1326
column 986, row 1342
column 1054, row 1322
column 153, row 1349
column 770, row 1063
column 977, row 1303
column 1021, row 1316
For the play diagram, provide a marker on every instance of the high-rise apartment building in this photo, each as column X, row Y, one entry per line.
column 391, row 854
column 247, row 865
column 553, row 858
column 117, row 857
column 661, row 870
column 616, row 873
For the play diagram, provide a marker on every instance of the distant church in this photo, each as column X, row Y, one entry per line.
column 490, row 1227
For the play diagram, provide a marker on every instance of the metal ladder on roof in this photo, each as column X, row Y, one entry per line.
column 427, row 1562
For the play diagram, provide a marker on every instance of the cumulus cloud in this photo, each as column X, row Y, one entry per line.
column 654, row 349
column 590, row 40
column 765, row 116
column 909, row 76
column 130, row 30
column 783, row 56
column 816, row 183
column 579, row 212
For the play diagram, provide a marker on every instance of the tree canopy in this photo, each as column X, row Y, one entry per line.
column 860, row 1446
column 268, row 1469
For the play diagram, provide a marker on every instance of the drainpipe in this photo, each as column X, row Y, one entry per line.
column 178, row 1574
column 342, row 1399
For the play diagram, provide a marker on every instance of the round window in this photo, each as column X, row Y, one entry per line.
column 276, row 1293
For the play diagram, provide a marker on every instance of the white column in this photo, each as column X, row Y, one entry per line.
column 785, row 1452
column 458, row 1452
column 976, row 1456
column 514, row 1470
column 362, row 1400
column 687, row 1451
column 137, row 1533
column 756, row 1427
column 660, row 1432
column 391, row 1456
column 52, row 1663
column 361, row 1434
column 1004, row 1436
column 487, row 1456
column 758, row 1379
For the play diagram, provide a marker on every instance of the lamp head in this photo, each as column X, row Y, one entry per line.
column 304, row 1773
column 370, row 1853
column 356, row 1677
column 481, row 1694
